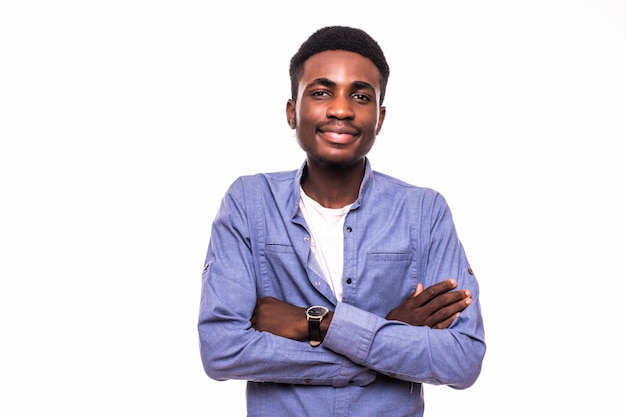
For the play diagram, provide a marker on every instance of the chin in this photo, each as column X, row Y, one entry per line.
column 336, row 162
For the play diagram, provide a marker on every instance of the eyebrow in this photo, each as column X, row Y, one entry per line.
column 357, row 85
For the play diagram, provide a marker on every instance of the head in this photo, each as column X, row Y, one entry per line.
column 338, row 81
column 334, row 38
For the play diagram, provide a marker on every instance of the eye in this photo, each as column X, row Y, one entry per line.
column 320, row 93
column 361, row 97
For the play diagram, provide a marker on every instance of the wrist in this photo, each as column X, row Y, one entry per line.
column 325, row 324
column 316, row 325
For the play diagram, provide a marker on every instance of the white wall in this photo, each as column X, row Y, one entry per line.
column 123, row 122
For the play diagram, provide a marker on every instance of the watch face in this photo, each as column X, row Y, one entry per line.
column 317, row 311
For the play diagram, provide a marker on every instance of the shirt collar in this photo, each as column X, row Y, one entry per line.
column 365, row 184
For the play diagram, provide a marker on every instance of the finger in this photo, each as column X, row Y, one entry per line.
column 418, row 289
column 435, row 290
column 443, row 317
column 452, row 297
column 446, row 323
column 454, row 301
column 440, row 288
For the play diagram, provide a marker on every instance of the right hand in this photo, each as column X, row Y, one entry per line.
column 436, row 307
column 280, row 318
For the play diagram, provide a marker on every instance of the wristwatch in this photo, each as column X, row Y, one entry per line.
column 314, row 316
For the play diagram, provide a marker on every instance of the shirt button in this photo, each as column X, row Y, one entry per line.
column 306, row 238
column 349, row 281
column 349, row 229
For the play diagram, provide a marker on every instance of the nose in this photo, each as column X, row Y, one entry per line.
column 340, row 107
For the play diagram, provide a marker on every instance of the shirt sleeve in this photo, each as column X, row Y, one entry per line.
column 230, row 348
column 451, row 356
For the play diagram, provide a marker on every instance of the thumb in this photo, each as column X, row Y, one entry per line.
column 418, row 289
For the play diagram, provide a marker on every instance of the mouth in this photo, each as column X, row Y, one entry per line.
column 338, row 133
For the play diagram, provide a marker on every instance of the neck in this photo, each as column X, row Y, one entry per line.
column 333, row 187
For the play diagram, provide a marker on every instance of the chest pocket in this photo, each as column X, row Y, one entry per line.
column 283, row 273
column 387, row 281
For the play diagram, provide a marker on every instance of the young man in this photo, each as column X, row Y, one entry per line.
column 336, row 290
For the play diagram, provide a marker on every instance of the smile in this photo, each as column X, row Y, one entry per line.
column 338, row 133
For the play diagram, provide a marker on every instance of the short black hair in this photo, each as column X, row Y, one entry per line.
column 339, row 38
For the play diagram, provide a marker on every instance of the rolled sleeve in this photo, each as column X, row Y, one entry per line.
column 351, row 332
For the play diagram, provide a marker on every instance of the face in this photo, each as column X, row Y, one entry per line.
column 337, row 114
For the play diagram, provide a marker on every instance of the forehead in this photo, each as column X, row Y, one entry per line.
column 340, row 67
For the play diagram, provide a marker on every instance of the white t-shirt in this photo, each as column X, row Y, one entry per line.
column 326, row 227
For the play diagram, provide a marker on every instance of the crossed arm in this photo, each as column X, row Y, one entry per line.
column 436, row 307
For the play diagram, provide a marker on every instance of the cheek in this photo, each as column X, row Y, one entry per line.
column 373, row 126
column 306, row 121
column 310, row 113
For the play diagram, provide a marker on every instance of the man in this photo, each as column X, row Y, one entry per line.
column 336, row 290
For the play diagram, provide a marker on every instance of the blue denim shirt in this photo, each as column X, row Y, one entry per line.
column 396, row 235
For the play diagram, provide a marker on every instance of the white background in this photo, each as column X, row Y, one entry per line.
column 123, row 122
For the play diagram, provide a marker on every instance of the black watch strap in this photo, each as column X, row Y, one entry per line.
column 315, row 335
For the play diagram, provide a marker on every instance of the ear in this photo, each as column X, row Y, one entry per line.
column 290, row 111
column 381, row 118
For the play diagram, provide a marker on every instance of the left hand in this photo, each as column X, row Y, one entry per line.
column 436, row 306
